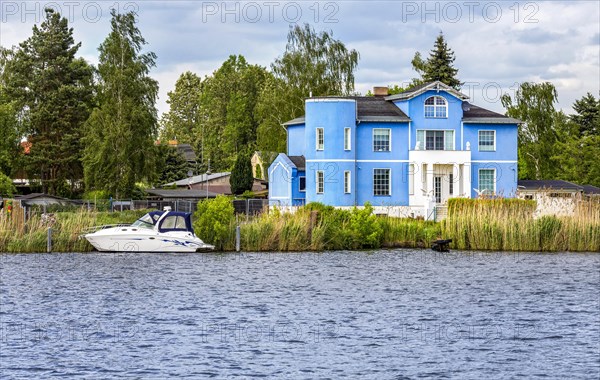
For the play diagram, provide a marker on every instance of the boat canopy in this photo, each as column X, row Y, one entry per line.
column 176, row 221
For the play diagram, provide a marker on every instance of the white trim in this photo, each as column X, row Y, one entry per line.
column 373, row 140
column 494, row 161
column 349, row 182
column 389, row 183
column 479, row 140
column 409, row 128
column 350, row 160
column 321, row 100
column 349, row 147
column 462, row 135
column 317, row 138
column 279, row 164
column 317, row 181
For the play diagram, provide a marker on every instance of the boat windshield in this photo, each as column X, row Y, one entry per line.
column 145, row 221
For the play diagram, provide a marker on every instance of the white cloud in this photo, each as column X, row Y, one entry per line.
column 548, row 40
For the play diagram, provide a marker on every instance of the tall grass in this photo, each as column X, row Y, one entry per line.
column 17, row 236
column 509, row 224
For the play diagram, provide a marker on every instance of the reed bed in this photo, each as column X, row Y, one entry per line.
column 17, row 236
column 510, row 225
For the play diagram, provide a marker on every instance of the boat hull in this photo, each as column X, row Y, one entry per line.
column 140, row 240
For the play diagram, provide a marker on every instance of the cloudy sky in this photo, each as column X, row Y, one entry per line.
column 497, row 44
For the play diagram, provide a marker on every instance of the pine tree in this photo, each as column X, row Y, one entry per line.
column 587, row 115
column 241, row 179
column 52, row 91
column 438, row 67
column 121, row 131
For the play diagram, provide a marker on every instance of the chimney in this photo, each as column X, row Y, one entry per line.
column 380, row 91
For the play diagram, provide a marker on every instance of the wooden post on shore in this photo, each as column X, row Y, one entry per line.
column 237, row 238
column 49, row 242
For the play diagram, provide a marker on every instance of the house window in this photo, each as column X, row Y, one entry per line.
column 451, row 184
column 320, row 181
column 381, row 140
column 436, row 107
column 487, row 141
column 435, row 140
column 487, row 183
column 347, row 141
column 320, row 139
column 381, row 182
column 347, row 182
column 302, row 184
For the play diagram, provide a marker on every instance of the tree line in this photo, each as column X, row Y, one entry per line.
column 95, row 128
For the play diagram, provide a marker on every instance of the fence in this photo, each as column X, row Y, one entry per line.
column 241, row 206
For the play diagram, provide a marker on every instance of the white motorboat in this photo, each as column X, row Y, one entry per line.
column 157, row 231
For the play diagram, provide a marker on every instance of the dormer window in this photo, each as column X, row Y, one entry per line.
column 436, row 107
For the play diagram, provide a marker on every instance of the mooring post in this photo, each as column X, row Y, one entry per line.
column 238, row 237
column 49, row 242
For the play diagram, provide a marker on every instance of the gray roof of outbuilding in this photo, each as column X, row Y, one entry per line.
column 555, row 184
column 197, row 179
column 181, row 194
column 590, row 189
column 298, row 161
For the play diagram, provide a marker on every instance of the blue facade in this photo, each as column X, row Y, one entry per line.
column 395, row 151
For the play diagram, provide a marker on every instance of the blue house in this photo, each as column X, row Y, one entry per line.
column 408, row 152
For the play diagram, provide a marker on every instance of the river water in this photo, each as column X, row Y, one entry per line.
column 397, row 314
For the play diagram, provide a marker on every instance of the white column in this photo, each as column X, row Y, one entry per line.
column 429, row 177
column 466, row 179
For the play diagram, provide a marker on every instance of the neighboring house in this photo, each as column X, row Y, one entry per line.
column 591, row 191
column 261, row 160
column 406, row 152
column 217, row 183
column 553, row 197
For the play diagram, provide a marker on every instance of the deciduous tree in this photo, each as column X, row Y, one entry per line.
column 313, row 63
column 121, row 131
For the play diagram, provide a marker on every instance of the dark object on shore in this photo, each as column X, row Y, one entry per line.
column 441, row 245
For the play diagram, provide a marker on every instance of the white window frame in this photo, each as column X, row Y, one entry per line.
column 373, row 139
column 435, row 107
column 300, row 183
column 479, row 140
column 424, row 146
column 493, row 180
column 347, row 182
column 347, row 139
column 320, row 142
column 322, row 181
column 389, row 183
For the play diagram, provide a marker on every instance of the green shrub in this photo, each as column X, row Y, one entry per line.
column 213, row 221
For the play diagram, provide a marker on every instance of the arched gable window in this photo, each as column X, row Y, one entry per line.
column 436, row 107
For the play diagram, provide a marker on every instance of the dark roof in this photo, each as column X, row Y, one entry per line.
column 476, row 114
column 299, row 161
column 187, row 152
column 369, row 108
column 377, row 106
column 590, row 189
column 181, row 194
column 39, row 195
column 555, row 184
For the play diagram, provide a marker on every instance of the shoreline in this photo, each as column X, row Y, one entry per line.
column 473, row 225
